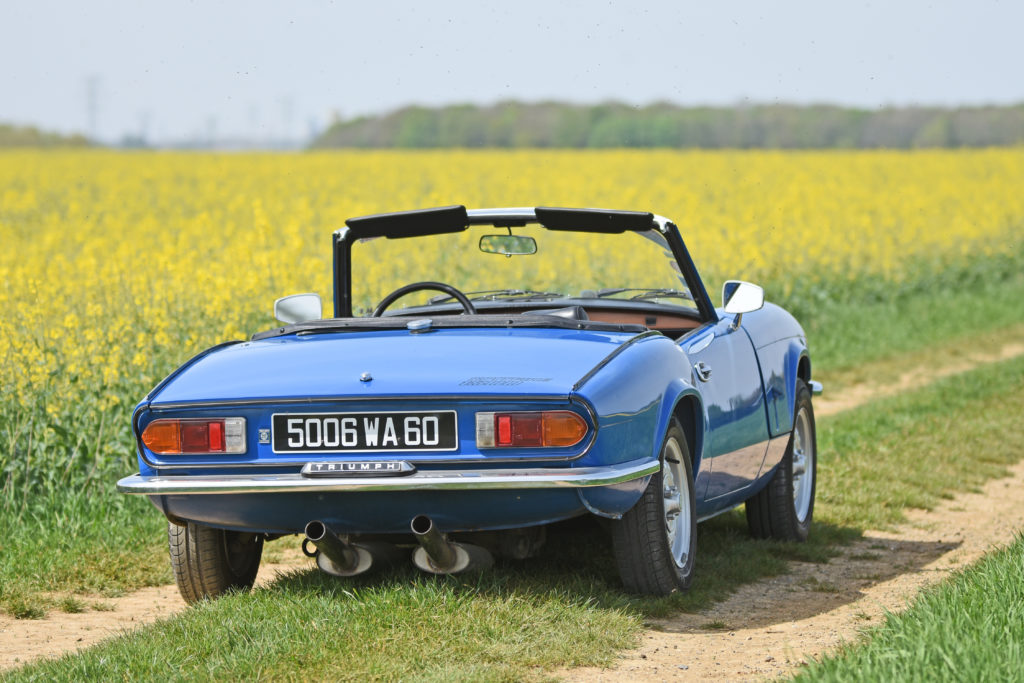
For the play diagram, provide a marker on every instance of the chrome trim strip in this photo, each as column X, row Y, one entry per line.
column 548, row 477
column 816, row 387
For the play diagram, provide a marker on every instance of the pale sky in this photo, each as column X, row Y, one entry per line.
column 270, row 69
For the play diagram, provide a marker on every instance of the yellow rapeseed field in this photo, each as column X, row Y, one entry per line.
column 117, row 266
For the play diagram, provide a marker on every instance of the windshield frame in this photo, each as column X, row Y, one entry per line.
column 457, row 218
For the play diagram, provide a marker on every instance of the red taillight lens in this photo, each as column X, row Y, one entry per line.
column 195, row 435
column 548, row 429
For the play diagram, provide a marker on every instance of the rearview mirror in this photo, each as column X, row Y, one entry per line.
column 740, row 297
column 298, row 308
column 508, row 245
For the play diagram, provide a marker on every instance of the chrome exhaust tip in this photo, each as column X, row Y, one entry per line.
column 438, row 555
column 337, row 556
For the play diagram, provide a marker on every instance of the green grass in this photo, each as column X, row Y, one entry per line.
column 515, row 621
column 566, row 607
column 909, row 451
column 89, row 543
column 857, row 330
column 968, row 628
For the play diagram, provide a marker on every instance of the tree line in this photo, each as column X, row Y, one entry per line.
column 30, row 136
column 777, row 126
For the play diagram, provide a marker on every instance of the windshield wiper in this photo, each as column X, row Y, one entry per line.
column 495, row 294
column 647, row 293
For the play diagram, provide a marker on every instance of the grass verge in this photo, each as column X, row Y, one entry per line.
column 88, row 543
column 848, row 334
column 966, row 628
column 566, row 608
column 910, row 450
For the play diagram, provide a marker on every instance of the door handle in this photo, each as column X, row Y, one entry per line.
column 703, row 371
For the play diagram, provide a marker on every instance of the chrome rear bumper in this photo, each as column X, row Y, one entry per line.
column 551, row 477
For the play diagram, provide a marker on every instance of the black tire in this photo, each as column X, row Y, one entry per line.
column 208, row 562
column 784, row 509
column 640, row 539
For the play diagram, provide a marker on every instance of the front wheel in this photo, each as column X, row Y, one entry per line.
column 208, row 562
column 783, row 510
column 655, row 542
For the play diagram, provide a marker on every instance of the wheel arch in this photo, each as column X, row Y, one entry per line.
column 803, row 368
column 689, row 413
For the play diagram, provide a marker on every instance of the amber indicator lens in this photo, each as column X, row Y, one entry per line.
column 195, row 436
column 563, row 428
column 163, row 436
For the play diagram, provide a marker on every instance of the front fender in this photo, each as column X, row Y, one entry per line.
column 780, row 364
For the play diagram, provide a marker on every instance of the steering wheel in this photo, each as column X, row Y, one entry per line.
column 394, row 296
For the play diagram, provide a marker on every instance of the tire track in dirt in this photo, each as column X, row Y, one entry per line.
column 913, row 378
column 773, row 624
column 767, row 628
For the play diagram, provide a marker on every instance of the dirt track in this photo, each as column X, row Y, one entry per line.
column 22, row 640
column 764, row 630
column 768, row 628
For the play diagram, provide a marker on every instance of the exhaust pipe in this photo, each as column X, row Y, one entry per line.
column 339, row 557
column 438, row 555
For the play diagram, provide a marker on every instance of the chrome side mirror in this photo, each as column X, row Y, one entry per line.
column 298, row 308
column 740, row 297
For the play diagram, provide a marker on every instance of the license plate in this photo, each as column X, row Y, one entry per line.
column 364, row 432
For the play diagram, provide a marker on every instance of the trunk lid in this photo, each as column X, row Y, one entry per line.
column 442, row 362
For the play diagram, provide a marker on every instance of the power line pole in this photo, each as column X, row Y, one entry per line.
column 92, row 104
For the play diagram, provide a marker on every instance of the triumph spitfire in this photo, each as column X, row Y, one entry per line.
column 547, row 363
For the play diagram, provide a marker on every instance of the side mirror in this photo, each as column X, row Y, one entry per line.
column 298, row 308
column 740, row 297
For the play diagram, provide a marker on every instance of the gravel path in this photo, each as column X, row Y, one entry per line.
column 767, row 628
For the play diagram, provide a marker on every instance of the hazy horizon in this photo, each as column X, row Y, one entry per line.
column 260, row 70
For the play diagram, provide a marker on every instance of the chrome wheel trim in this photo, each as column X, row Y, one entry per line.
column 803, row 465
column 675, row 491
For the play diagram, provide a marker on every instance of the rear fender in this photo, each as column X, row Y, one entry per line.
column 634, row 390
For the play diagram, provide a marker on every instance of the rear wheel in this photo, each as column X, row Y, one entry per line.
column 655, row 542
column 783, row 510
column 208, row 562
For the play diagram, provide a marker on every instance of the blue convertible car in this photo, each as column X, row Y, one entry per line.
column 547, row 363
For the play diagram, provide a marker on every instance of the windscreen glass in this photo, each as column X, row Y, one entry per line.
column 630, row 265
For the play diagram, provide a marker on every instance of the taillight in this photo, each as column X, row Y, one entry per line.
column 547, row 429
column 195, row 435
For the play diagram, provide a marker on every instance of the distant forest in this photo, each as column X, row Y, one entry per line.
column 29, row 136
column 555, row 124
